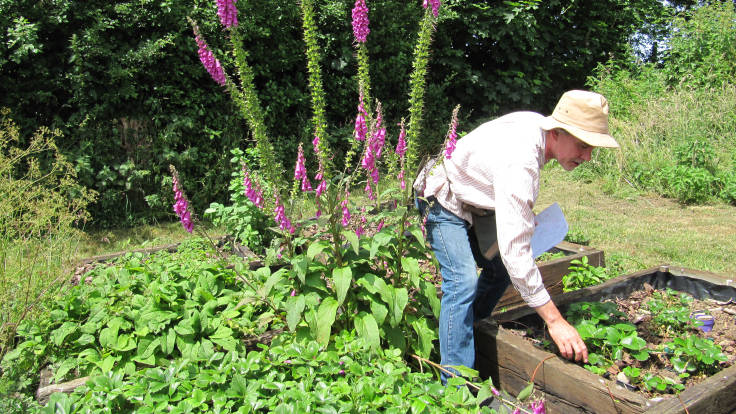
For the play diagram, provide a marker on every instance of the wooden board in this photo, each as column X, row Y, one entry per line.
column 552, row 273
column 510, row 361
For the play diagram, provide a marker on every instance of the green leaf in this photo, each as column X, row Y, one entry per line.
column 400, row 300
column 410, row 266
column 352, row 238
column 379, row 311
column 146, row 349
column 60, row 333
column 294, row 309
column 483, row 394
column 429, row 291
column 367, row 328
column 426, row 336
column 466, row 372
column 272, row 280
column 379, row 240
column 300, row 265
column 415, row 231
column 316, row 248
column 229, row 343
column 633, row 342
column 167, row 347
column 526, row 392
column 325, row 318
column 222, row 332
column 342, row 278
column 66, row 366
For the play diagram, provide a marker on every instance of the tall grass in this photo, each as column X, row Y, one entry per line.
column 676, row 120
column 40, row 204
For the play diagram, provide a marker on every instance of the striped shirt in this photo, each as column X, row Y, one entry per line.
column 496, row 166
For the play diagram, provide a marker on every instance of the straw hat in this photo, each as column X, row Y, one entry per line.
column 583, row 114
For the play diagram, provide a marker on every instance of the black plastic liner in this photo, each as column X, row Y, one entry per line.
column 698, row 284
column 700, row 289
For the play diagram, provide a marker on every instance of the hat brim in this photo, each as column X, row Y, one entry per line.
column 595, row 139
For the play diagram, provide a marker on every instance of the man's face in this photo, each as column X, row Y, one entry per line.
column 570, row 151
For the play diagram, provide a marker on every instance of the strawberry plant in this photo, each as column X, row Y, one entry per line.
column 583, row 274
column 671, row 312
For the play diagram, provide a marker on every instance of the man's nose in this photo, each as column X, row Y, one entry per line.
column 587, row 154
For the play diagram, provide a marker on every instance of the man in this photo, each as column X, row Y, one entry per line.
column 494, row 171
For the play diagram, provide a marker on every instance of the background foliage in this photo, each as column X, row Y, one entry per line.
column 679, row 109
column 123, row 83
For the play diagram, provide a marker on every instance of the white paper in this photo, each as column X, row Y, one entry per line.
column 550, row 229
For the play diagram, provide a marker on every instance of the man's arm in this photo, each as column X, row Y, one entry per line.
column 566, row 337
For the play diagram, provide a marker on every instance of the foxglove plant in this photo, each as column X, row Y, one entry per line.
column 360, row 32
column 401, row 152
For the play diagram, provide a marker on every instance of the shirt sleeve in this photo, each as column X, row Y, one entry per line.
column 517, row 185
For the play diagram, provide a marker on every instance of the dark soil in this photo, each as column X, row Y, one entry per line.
column 723, row 334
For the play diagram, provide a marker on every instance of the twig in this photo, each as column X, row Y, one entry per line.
column 613, row 400
column 683, row 404
column 539, row 365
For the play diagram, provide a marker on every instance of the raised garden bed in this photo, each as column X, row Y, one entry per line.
column 552, row 272
column 511, row 359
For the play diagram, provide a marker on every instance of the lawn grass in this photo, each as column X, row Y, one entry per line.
column 638, row 231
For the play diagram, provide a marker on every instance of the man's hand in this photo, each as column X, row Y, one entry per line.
column 566, row 337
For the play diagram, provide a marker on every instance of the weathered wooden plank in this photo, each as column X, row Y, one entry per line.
column 717, row 394
column 581, row 390
column 43, row 394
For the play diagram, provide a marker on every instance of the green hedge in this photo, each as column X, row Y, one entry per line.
column 123, row 82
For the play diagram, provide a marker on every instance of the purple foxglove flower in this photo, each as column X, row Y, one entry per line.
column 360, row 21
column 345, row 211
column 451, row 136
column 253, row 193
column 401, row 144
column 402, row 182
column 361, row 227
column 361, row 129
column 280, row 217
column 181, row 205
column 293, row 292
column 369, row 190
column 495, row 391
column 380, row 225
column 228, row 13
column 435, row 6
column 213, row 66
column 300, row 171
column 321, row 188
column 538, row 407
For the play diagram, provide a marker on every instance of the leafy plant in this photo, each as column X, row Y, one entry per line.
column 582, row 274
column 671, row 312
column 242, row 219
column 692, row 353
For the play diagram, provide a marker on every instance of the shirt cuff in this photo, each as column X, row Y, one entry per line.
column 537, row 299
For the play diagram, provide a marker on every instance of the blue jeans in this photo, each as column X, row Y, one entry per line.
column 466, row 297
